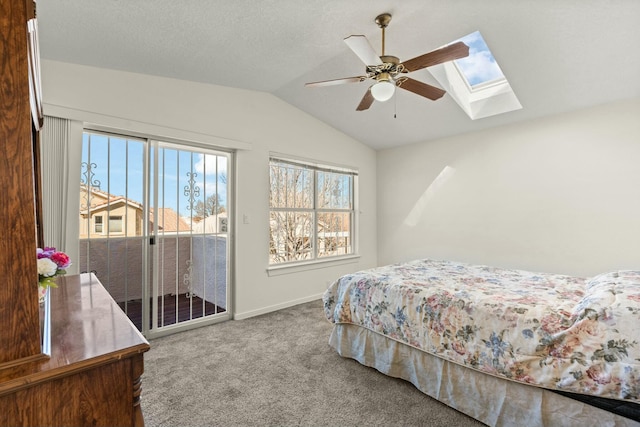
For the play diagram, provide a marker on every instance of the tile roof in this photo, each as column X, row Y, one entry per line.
column 168, row 220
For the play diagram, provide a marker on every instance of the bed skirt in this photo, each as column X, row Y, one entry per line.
column 491, row 400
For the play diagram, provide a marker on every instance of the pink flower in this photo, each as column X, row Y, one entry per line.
column 561, row 351
column 586, row 326
column 598, row 374
column 437, row 327
column 61, row 259
column 551, row 323
column 458, row 348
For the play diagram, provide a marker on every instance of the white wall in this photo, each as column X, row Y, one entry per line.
column 560, row 194
column 236, row 118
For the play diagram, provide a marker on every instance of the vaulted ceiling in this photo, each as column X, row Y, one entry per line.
column 558, row 55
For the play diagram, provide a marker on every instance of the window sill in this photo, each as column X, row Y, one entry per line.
column 278, row 270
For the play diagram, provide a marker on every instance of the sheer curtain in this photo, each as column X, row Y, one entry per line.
column 60, row 153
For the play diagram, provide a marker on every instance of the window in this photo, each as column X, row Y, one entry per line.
column 476, row 82
column 97, row 225
column 480, row 68
column 311, row 211
column 115, row 224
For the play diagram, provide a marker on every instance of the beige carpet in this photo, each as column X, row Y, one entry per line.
column 276, row 370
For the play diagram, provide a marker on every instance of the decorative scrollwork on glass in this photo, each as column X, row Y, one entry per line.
column 88, row 181
column 186, row 278
column 191, row 190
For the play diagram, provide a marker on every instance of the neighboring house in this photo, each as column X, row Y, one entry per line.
column 105, row 215
column 117, row 218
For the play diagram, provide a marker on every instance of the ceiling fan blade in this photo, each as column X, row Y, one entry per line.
column 366, row 102
column 448, row 53
column 361, row 47
column 421, row 89
column 357, row 79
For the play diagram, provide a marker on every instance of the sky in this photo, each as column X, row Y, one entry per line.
column 117, row 166
column 480, row 66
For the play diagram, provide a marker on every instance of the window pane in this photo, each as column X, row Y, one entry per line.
column 115, row 224
column 98, row 224
column 480, row 66
column 334, row 234
column 334, row 190
column 291, row 236
column 291, row 186
column 111, row 184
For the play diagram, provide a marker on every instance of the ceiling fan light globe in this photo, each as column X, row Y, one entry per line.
column 383, row 91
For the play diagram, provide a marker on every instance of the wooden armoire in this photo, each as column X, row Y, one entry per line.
column 90, row 372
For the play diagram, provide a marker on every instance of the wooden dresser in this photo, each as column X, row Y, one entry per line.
column 91, row 374
column 92, row 377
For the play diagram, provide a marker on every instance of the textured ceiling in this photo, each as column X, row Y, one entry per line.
column 559, row 55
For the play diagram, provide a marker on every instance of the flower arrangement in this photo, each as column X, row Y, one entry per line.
column 51, row 263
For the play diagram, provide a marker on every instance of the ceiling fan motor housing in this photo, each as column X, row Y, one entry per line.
column 388, row 59
column 389, row 69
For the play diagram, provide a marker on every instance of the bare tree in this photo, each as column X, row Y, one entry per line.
column 292, row 216
column 290, row 195
column 209, row 207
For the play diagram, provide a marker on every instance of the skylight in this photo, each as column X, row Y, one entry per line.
column 480, row 66
column 476, row 82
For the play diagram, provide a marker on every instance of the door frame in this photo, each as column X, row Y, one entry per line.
column 152, row 250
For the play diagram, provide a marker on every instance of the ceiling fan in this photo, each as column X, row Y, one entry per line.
column 387, row 70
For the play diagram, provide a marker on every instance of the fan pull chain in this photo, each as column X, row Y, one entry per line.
column 395, row 106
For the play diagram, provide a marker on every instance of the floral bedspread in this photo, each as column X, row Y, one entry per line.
column 552, row 331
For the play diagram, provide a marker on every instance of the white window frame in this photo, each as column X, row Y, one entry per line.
column 100, row 223
column 315, row 168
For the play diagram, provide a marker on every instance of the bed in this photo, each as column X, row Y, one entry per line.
column 502, row 346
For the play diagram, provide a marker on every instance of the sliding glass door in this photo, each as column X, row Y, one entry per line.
column 155, row 229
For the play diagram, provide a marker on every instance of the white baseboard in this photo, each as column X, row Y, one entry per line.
column 271, row 308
